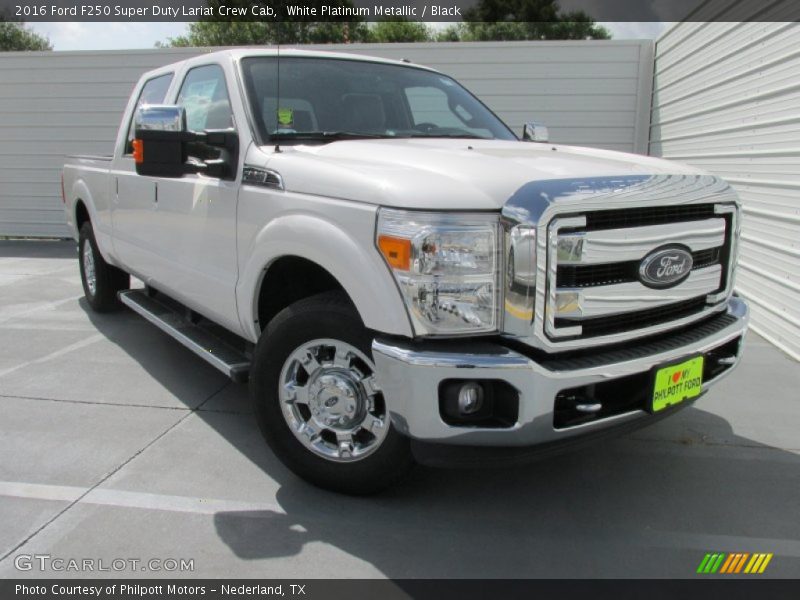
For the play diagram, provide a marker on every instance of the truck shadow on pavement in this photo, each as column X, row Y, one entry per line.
column 647, row 504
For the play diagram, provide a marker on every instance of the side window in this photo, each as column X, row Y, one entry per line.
column 204, row 95
column 153, row 92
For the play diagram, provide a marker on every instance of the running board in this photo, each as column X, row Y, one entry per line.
column 206, row 345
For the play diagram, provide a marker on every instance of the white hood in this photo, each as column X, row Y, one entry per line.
column 447, row 174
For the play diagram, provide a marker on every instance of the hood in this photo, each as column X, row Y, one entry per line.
column 447, row 173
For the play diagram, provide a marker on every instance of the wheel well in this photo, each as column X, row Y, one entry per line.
column 288, row 280
column 81, row 214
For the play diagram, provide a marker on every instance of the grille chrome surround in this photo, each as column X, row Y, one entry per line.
column 701, row 208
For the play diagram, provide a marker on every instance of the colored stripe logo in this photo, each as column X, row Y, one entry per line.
column 734, row 563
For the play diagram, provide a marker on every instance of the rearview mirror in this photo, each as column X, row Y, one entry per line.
column 164, row 147
column 534, row 132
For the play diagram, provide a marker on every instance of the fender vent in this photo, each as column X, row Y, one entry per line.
column 262, row 177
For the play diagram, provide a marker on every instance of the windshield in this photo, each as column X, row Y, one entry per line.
column 323, row 99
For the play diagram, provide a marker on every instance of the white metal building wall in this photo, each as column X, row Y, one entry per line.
column 53, row 104
column 727, row 99
column 58, row 103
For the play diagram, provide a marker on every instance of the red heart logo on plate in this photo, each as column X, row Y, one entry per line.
column 676, row 376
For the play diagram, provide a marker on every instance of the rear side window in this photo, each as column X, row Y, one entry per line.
column 204, row 95
column 153, row 92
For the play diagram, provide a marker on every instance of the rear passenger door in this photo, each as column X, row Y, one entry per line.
column 195, row 216
column 133, row 195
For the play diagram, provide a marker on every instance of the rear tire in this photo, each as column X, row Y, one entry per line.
column 101, row 281
column 317, row 403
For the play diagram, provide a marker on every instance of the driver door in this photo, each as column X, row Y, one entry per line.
column 195, row 216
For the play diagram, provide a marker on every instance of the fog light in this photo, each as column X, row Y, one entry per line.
column 487, row 403
column 470, row 398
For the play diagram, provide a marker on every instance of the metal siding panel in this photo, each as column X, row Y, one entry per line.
column 590, row 93
column 738, row 115
column 641, row 133
column 145, row 59
column 548, row 86
column 727, row 100
column 122, row 74
column 729, row 64
column 53, row 104
column 67, row 105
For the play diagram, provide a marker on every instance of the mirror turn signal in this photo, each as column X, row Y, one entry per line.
column 138, row 151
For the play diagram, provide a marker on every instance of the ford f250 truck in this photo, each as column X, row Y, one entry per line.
column 396, row 273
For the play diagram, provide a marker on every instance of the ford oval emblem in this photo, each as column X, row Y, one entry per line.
column 665, row 267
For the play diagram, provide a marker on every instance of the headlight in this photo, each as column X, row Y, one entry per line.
column 446, row 265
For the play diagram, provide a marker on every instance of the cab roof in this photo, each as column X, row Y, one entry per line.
column 236, row 54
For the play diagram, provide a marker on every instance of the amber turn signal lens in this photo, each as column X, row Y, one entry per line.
column 138, row 151
column 396, row 251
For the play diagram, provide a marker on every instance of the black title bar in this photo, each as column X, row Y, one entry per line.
column 411, row 10
column 386, row 589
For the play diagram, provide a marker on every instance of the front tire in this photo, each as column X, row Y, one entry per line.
column 317, row 402
column 101, row 281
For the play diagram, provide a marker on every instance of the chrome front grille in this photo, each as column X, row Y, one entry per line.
column 593, row 286
column 574, row 249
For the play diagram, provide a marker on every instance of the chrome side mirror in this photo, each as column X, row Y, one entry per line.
column 160, row 117
column 159, row 144
column 164, row 147
column 534, row 132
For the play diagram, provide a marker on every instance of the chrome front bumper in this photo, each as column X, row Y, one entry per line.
column 410, row 374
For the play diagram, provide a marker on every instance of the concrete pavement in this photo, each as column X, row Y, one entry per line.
column 116, row 442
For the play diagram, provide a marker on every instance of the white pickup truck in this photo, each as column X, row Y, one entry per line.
column 397, row 274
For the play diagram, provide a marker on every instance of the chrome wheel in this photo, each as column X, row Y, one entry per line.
column 88, row 268
column 331, row 401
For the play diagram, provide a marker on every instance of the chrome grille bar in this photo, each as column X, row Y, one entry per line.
column 633, row 243
column 606, row 300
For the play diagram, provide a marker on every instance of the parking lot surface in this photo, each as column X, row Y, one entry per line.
column 118, row 443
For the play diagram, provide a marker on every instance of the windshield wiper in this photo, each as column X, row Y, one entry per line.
column 332, row 136
column 467, row 136
column 326, row 135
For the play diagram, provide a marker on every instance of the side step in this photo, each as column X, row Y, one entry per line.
column 206, row 345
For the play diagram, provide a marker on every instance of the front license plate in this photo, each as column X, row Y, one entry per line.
column 677, row 383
